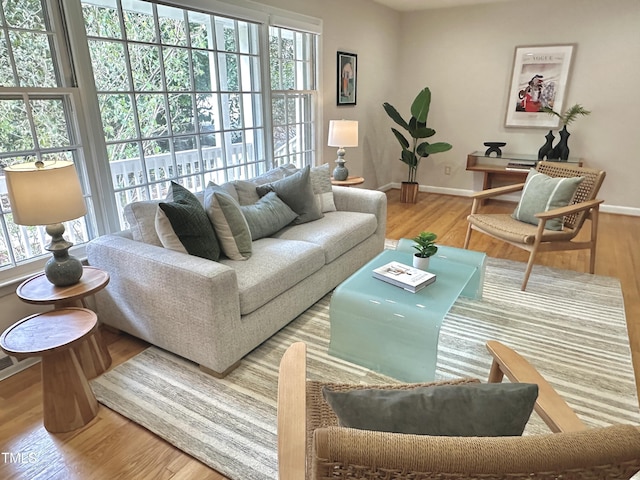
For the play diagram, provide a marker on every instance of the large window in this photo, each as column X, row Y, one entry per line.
column 37, row 116
column 178, row 94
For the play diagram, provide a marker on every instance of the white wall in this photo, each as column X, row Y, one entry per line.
column 465, row 56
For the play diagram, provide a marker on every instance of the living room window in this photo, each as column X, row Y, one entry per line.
column 38, row 120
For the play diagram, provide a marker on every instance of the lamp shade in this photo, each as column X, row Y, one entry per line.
column 343, row 133
column 44, row 193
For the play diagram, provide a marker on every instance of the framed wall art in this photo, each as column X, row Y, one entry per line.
column 539, row 79
column 347, row 78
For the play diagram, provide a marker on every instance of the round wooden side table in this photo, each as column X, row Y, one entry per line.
column 93, row 354
column 67, row 400
column 349, row 182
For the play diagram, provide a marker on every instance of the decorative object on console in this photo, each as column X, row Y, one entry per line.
column 342, row 133
column 561, row 150
column 547, row 148
column 48, row 193
column 426, row 248
column 413, row 152
column 494, row 147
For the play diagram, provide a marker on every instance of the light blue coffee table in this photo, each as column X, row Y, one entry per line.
column 395, row 332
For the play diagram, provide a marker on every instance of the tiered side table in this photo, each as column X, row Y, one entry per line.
column 67, row 400
column 92, row 354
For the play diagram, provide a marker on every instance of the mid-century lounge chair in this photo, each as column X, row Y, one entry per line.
column 534, row 238
column 311, row 445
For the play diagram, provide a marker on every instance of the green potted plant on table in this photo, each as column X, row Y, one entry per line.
column 426, row 248
column 416, row 149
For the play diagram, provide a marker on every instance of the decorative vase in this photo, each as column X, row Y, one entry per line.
column 561, row 150
column 340, row 172
column 421, row 263
column 409, row 192
column 546, row 149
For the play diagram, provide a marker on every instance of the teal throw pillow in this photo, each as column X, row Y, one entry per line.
column 190, row 223
column 267, row 216
column 467, row 410
column 297, row 192
column 542, row 193
column 229, row 223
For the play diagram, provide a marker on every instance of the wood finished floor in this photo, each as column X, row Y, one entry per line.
column 111, row 447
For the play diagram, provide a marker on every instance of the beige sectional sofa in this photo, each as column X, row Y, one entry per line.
column 215, row 312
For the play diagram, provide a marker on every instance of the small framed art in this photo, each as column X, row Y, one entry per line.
column 347, row 78
column 539, row 79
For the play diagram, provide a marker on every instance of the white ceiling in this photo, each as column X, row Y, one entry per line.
column 413, row 5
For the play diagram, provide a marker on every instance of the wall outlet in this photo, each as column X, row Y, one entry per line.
column 447, row 170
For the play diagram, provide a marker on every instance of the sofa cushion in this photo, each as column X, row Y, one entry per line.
column 141, row 217
column 274, row 267
column 322, row 188
column 267, row 216
column 190, row 223
column 297, row 192
column 470, row 410
column 542, row 193
column 228, row 222
column 337, row 232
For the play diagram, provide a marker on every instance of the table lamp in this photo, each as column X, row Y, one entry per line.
column 48, row 193
column 342, row 133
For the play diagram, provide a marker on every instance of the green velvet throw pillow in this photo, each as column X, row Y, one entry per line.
column 467, row 410
column 190, row 223
column 297, row 192
column 228, row 222
column 267, row 216
column 542, row 193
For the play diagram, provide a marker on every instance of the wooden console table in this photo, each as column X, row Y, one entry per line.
column 495, row 168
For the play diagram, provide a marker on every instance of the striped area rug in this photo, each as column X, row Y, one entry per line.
column 570, row 325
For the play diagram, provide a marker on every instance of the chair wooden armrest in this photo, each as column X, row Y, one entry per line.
column 494, row 192
column 569, row 209
column 550, row 406
column 292, row 413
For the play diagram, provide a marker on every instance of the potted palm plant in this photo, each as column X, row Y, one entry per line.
column 426, row 248
column 415, row 149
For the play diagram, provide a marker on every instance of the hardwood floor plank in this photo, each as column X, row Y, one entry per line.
column 112, row 447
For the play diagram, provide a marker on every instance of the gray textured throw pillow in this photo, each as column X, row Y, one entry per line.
column 542, row 193
column 297, row 192
column 267, row 216
column 322, row 188
column 468, row 410
column 190, row 223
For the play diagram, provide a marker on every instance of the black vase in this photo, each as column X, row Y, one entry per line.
column 561, row 150
column 546, row 149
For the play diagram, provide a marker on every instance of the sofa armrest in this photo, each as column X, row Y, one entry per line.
column 173, row 300
column 362, row 200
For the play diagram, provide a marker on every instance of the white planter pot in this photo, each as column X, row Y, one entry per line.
column 420, row 262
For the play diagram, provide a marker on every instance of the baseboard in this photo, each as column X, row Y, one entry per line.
column 460, row 192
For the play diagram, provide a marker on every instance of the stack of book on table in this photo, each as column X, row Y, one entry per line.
column 404, row 276
column 521, row 165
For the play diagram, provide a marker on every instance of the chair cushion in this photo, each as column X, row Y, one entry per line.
column 190, row 223
column 297, row 192
column 542, row 193
column 267, row 216
column 469, row 410
column 505, row 227
column 228, row 222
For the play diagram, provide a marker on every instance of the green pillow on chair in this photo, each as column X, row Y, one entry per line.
column 468, row 410
column 542, row 193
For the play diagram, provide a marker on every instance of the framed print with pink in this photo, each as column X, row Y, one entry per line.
column 539, row 79
column 347, row 78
